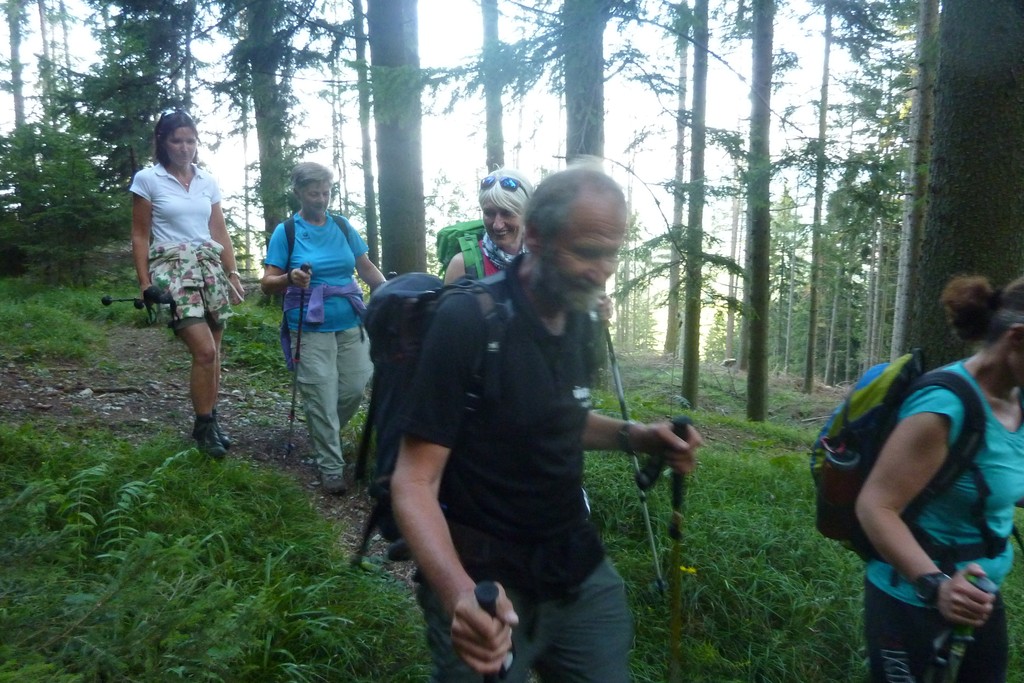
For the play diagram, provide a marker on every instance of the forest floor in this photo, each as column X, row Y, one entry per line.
column 132, row 398
column 142, row 386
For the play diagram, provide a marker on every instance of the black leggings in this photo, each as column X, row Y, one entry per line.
column 901, row 641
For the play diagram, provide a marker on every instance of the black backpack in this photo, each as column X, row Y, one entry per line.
column 848, row 445
column 397, row 319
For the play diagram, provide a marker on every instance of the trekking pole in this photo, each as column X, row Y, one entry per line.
column 638, row 473
column 947, row 669
column 486, row 593
column 680, row 425
column 107, row 300
column 295, row 363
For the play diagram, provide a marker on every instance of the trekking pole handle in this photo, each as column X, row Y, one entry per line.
column 106, row 300
column 486, row 593
column 680, row 425
column 649, row 473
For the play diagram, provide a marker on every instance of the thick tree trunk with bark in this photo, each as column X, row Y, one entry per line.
column 976, row 191
column 270, row 94
column 759, row 207
column 922, row 123
column 583, row 23
column 398, row 114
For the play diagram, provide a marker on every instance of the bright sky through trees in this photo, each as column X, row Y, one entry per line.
column 639, row 125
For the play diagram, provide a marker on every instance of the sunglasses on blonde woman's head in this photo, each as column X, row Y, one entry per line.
column 510, row 184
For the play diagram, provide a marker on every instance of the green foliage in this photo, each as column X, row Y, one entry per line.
column 125, row 563
column 251, row 339
column 51, row 211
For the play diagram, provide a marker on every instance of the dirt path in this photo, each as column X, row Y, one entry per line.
column 143, row 384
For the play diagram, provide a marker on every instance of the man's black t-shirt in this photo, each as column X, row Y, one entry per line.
column 516, row 466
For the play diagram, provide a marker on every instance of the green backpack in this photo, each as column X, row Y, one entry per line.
column 462, row 237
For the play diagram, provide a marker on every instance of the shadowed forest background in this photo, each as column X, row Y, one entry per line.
column 813, row 250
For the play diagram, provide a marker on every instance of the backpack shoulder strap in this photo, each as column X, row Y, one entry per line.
column 961, row 452
column 472, row 257
column 972, row 435
column 343, row 224
column 496, row 308
column 289, row 233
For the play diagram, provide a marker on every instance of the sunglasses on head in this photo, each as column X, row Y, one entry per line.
column 175, row 113
column 510, row 184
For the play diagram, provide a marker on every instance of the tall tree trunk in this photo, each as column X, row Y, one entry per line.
column 398, row 114
column 830, row 346
column 583, row 23
column 673, row 321
column 734, row 246
column 694, row 246
column 270, row 94
column 819, row 198
column 759, row 201
column 16, row 17
column 46, row 83
column 494, row 84
column 976, row 189
column 363, row 88
column 915, row 204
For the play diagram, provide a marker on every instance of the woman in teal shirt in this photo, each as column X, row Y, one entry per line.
column 914, row 602
column 335, row 358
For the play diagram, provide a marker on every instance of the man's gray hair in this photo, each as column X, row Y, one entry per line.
column 309, row 172
column 552, row 203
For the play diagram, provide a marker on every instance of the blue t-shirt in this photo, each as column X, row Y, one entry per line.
column 948, row 518
column 333, row 259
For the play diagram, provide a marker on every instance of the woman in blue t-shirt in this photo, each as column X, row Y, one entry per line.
column 334, row 364
column 918, row 608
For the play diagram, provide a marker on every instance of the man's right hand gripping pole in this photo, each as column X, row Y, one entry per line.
column 486, row 645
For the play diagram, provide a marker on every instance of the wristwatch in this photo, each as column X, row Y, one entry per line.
column 927, row 586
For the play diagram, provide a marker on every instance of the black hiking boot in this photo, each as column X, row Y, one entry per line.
column 205, row 434
column 222, row 436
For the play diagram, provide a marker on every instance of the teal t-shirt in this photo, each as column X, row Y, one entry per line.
column 333, row 259
column 948, row 518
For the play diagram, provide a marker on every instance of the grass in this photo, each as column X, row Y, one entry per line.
column 123, row 562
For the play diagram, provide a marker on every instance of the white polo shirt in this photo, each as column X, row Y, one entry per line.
column 179, row 215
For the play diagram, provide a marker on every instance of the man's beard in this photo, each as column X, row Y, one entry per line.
column 552, row 285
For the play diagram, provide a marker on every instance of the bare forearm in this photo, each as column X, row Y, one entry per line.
column 425, row 530
column 892, row 538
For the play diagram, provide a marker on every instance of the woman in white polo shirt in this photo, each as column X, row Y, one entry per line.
column 180, row 246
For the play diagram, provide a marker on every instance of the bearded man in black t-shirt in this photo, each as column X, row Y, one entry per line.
column 490, row 488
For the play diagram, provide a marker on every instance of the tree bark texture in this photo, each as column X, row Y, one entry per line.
column 365, row 110
column 915, row 205
column 494, row 84
column 819, row 200
column 694, row 247
column 976, row 188
column 396, row 81
column 583, row 23
column 759, row 207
